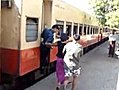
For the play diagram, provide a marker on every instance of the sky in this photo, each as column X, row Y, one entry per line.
column 81, row 4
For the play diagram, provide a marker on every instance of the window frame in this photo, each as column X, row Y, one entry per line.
column 36, row 22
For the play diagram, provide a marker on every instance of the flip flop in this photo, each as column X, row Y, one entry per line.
column 57, row 88
column 68, row 85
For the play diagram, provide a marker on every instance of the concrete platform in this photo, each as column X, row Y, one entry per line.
column 99, row 72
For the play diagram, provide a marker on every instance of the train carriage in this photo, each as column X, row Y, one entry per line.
column 22, row 24
column 75, row 21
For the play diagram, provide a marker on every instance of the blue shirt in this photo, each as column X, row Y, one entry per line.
column 47, row 35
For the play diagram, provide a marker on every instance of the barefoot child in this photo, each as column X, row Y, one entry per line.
column 71, row 61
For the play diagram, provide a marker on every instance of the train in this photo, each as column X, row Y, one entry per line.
column 22, row 22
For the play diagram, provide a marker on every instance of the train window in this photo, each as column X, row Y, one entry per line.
column 88, row 31
column 80, row 30
column 68, row 28
column 60, row 24
column 75, row 28
column 91, row 30
column 31, row 29
column 96, row 31
column 61, row 28
column 84, row 30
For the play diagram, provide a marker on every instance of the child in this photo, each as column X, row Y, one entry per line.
column 60, row 63
column 71, row 61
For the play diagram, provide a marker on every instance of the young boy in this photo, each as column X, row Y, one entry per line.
column 73, row 51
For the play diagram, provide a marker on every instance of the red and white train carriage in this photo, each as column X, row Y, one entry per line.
column 22, row 24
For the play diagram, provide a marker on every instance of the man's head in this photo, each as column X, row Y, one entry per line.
column 55, row 28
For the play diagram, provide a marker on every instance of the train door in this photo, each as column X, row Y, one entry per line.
column 46, row 13
column 75, row 31
column 68, row 28
column 53, row 51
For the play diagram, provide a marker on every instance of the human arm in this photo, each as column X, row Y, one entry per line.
column 64, row 49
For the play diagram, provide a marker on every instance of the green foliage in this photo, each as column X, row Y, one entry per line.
column 107, row 11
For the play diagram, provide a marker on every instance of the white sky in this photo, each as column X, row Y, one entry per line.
column 81, row 4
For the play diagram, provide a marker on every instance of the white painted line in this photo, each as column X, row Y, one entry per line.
column 117, row 82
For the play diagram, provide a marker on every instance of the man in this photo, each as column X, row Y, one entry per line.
column 48, row 37
column 112, row 41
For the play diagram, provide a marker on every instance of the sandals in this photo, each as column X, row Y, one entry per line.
column 62, row 87
column 69, row 82
column 57, row 88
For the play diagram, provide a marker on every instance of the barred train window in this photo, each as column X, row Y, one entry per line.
column 80, row 29
column 31, row 29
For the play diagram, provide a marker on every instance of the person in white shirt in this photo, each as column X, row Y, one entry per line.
column 73, row 51
column 112, row 41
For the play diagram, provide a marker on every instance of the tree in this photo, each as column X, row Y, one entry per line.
column 107, row 12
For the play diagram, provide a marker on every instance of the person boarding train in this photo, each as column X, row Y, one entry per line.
column 48, row 38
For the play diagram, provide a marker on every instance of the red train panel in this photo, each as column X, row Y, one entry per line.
column 83, row 41
column 11, row 64
column 9, row 61
column 53, row 53
column 29, row 61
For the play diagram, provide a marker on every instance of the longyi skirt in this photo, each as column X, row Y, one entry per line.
column 60, row 70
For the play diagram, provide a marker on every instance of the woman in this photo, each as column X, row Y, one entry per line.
column 60, row 62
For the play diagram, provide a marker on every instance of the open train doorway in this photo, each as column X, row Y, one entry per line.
column 46, row 13
column 68, row 28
